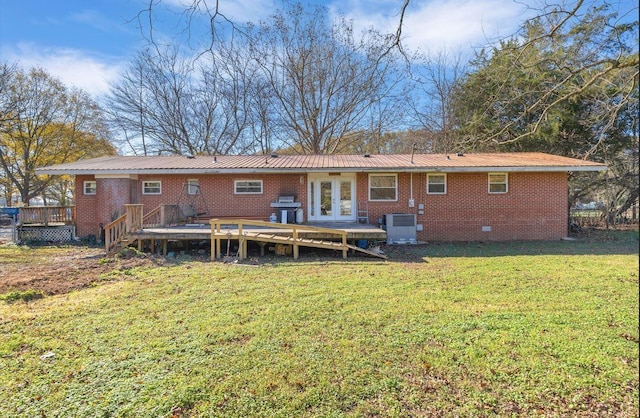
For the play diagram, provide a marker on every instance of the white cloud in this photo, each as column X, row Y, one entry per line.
column 462, row 23
column 73, row 67
column 431, row 25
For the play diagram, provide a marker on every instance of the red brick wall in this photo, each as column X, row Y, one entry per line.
column 377, row 209
column 86, row 208
column 535, row 207
column 101, row 208
column 217, row 193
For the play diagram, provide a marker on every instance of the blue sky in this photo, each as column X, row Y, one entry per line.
column 87, row 43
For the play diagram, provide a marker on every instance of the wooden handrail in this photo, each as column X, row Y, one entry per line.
column 153, row 218
column 117, row 231
column 134, row 217
column 114, row 233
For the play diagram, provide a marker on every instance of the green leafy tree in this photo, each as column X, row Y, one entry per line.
column 568, row 85
column 45, row 123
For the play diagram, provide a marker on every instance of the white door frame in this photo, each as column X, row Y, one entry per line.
column 337, row 205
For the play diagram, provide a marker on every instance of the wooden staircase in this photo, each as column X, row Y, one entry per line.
column 116, row 233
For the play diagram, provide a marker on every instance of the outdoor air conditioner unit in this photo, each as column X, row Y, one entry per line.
column 400, row 227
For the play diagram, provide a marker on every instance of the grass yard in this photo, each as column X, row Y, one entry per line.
column 515, row 329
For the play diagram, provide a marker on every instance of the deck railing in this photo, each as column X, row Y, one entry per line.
column 133, row 212
column 154, row 218
column 217, row 236
column 46, row 215
column 114, row 233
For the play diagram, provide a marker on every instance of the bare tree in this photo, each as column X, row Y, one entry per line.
column 194, row 11
column 7, row 113
column 170, row 104
column 436, row 78
column 324, row 81
column 319, row 81
column 8, row 108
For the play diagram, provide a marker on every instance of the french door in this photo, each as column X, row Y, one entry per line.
column 332, row 198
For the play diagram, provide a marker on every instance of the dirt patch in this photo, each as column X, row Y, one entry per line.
column 70, row 268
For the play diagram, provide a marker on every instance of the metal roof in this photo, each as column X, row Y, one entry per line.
column 322, row 163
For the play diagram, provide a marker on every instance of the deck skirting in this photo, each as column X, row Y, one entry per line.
column 52, row 233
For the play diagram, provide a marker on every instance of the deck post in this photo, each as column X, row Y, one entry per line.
column 245, row 248
column 345, row 249
column 296, row 249
column 241, row 248
column 107, row 239
column 218, row 248
column 218, row 241
column 134, row 217
column 215, row 241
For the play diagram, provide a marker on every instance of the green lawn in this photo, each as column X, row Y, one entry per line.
column 516, row 329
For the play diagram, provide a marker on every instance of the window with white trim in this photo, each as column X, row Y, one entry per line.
column 383, row 187
column 498, row 183
column 247, row 186
column 437, row 183
column 89, row 187
column 151, row 187
column 193, row 186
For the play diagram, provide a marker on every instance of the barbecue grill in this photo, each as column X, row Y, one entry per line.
column 287, row 207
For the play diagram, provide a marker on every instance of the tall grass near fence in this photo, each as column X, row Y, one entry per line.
column 586, row 218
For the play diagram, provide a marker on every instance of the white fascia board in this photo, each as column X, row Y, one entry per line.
column 133, row 173
column 532, row 169
column 116, row 176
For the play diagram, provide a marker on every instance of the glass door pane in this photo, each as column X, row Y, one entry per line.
column 326, row 198
column 312, row 201
column 332, row 199
column 345, row 198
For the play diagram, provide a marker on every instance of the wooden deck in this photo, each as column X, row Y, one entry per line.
column 45, row 223
column 319, row 235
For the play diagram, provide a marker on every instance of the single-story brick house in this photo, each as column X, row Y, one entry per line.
column 505, row 196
